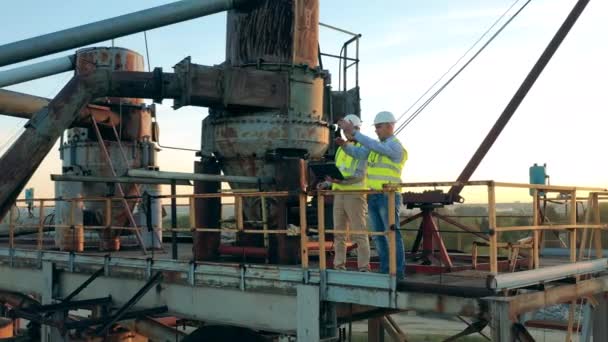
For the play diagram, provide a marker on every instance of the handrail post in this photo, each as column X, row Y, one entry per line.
column 321, row 231
column 492, row 227
column 265, row 223
column 11, row 229
column 573, row 219
column 191, row 213
column 238, row 212
column 392, row 239
column 303, row 236
column 597, row 233
column 536, row 232
column 40, row 225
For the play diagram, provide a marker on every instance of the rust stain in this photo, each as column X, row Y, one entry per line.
column 118, row 62
column 104, row 56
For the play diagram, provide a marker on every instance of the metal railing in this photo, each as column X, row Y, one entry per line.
column 568, row 194
column 240, row 223
column 589, row 231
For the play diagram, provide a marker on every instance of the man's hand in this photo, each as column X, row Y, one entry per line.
column 332, row 180
column 346, row 126
column 340, row 141
column 323, row 186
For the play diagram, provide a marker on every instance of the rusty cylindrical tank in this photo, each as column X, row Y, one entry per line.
column 279, row 36
column 82, row 154
column 6, row 328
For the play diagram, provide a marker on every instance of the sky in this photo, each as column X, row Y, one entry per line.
column 405, row 46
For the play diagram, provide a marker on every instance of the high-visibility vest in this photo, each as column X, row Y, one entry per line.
column 347, row 166
column 382, row 170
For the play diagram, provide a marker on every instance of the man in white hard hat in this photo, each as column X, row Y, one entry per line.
column 350, row 210
column 385, row 161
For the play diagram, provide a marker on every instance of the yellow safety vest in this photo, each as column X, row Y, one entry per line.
column 347, row 166
column 382, row 170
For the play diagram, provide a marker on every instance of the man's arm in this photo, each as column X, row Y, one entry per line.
column 357, row 152
column 391, row 149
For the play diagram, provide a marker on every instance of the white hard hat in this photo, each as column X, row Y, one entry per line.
column 384, row 117
column 353, row 119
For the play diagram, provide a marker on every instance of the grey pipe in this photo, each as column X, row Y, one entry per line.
column 112, row 28
column 531, row 277
column 37, row 70
column 197, row 177
column 126, row 180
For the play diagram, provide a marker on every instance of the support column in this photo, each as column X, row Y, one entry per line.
column 308, row 313
column 48, row 333
column 375, row 331
column 600, row 318
column 587, row 323
column 500, row 322
column 208, row 213
column 283, row 248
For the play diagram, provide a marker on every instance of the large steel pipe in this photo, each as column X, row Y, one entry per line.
column 112, row 28
column 20, row 105
column 545, row 274
column 198, row 177
column 37, row 70
column 518, row 98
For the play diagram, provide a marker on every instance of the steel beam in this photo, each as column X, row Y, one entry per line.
column 82, row 324
column 518, row 98
column 38, row 70
column 22, row 159
column 112, row 28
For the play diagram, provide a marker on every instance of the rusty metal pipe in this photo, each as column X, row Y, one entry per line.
column 112, row 28
column 20, row 105
column 24, row 106
column 38, row 70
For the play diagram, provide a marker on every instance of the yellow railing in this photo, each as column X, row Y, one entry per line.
column 594, row 196
column 238, row 197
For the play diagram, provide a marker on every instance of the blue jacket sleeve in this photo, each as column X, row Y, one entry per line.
column 357, row 152
column 391, row 148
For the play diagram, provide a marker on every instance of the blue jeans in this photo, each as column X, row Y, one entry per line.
column 378, row 212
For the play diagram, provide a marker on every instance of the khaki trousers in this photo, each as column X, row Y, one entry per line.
column 350, row 213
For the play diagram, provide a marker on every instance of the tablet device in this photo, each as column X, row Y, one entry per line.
column 322, row 170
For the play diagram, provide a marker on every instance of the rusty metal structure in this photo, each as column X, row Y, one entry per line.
column 272, row 107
